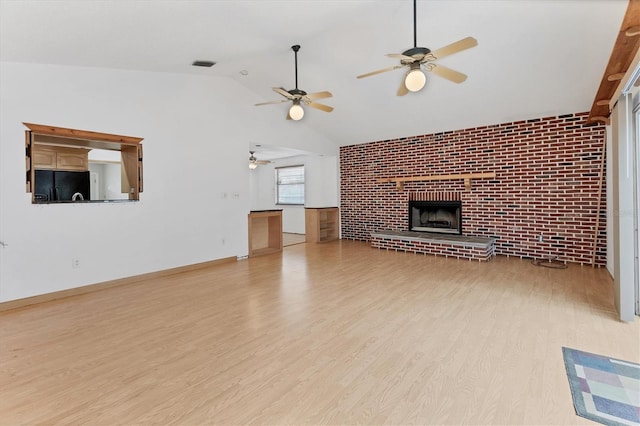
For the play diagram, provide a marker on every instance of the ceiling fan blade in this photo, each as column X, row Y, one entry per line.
column 272, row 102
column 402, row 90
column 318, row 95
column 448, row 73
column 380, row 71
column 283, row 92
column 401, row 56
column 455, row 47
column 262, row 162
column 322, row 107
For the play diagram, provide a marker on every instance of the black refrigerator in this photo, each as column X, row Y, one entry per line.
column 55, row 185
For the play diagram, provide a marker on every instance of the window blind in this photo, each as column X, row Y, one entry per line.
column 290, row 185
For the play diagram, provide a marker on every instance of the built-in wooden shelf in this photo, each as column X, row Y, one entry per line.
column 322, row 224
column 467, row 177
column 265, row 232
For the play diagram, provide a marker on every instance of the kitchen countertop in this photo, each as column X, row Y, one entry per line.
column 84, row 201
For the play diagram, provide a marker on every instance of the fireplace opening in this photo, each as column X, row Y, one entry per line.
column 443, row 217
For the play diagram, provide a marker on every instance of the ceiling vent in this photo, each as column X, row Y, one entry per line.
column 206, row 64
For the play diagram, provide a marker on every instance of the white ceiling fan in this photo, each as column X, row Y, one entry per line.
column 417, row 58
column 254, row 162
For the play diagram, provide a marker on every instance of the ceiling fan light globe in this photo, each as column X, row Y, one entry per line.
column 253, row 166
column 415, row 80
column 296, row 112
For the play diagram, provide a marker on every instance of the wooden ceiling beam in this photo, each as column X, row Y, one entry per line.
column 615, row 77
column 622, row 55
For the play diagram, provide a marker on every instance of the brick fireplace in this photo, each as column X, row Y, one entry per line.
column 546, row 184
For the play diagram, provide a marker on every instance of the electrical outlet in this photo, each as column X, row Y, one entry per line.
column 75, row 263
column 540, row 238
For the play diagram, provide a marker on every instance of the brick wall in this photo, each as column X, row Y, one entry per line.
column 547, row 177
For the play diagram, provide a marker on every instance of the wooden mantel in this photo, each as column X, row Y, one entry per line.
column 466, row 177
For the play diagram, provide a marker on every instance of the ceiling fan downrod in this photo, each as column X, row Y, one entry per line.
column 295, row 48
column 415, row 26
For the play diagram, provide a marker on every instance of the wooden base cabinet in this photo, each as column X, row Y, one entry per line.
column 265, row 232
column 322, row 224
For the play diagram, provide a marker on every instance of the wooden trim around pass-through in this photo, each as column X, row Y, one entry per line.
column 63, row 132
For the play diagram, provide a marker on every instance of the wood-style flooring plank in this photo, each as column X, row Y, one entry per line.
column 335, row 333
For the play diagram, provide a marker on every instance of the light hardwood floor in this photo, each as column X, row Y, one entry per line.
column 335, row 333
column 289, row 239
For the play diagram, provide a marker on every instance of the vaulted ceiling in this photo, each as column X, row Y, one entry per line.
column 534, row 58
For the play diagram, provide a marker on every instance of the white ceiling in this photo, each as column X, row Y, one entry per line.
column 535, row 57
column 274, row 152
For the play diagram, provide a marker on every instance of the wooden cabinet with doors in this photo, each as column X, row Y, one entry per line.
column 60, row 158
column 322, row 224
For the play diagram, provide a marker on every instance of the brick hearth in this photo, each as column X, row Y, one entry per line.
column 457, row 246
column 547, row 175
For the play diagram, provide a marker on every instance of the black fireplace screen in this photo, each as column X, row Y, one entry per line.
column 436, row 216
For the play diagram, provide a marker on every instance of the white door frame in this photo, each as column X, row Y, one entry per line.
column 636, row 196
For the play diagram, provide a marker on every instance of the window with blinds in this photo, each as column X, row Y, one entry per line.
column 290, row 185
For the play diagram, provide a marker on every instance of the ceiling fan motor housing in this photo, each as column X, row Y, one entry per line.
column 297, row 92
column 422, row 51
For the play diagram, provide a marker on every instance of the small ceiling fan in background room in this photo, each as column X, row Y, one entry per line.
column 417, row 58
column 254, row 162
column 298, row 97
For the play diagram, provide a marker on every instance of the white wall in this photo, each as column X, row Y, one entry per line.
column 196, row 140
column 321, row 188
column 609, row 195
column 623, row 197
column 112, row 182
column 322, row 173
column 109, row 181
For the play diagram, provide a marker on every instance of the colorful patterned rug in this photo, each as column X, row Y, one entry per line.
column 605, row 390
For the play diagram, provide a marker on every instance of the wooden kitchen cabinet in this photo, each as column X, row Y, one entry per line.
column 44, row 157
column 322, row 224
column 60, row 158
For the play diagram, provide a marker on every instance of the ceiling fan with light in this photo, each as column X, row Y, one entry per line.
column 299, row 97
column 254, row 162
column 417, row 58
